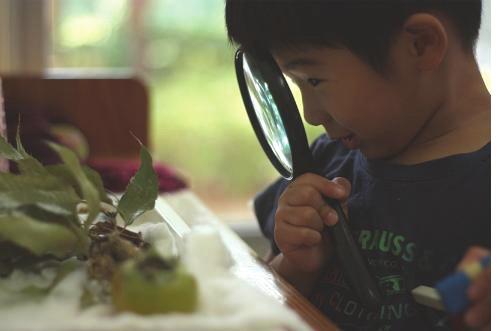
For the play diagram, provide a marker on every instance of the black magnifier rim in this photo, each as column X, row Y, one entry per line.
column 292, row 122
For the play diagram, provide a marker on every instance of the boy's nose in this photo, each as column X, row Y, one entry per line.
column 316, row 115
column 313, row 113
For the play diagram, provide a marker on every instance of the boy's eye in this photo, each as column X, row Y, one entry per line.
column 314, row 82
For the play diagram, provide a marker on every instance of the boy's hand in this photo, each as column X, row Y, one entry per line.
column 478, row 314
column 303, row 215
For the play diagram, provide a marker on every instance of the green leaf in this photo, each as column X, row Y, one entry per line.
column 58, row 202
column 95, row 178
column 28, row 164
column 47, row 193
column 63, row 171
column 8, row 151
column 87, row 189
column 40, row 238
column 14, row 182
column 141, row 192
column 20, row 147
column 71, row 222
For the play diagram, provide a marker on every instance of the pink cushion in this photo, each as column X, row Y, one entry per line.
column 116, row 174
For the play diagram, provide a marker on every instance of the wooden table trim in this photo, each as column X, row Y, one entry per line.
column 247, row 265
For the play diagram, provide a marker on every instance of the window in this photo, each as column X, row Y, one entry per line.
column 198, row 124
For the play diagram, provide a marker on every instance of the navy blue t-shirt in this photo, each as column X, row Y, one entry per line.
column 413, row 224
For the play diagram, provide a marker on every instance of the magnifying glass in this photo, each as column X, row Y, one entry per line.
column 276, row 121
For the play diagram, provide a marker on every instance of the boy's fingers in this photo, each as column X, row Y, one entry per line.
column 289, row 234
column 300, row 216
column 308, row 190
column 480, row 288
column 474, row 253
column 338, row 189
column 479, row 314
column 302, row 195
column 328, row 215
column 306, row 257
column 308, row 216
column 345, row 188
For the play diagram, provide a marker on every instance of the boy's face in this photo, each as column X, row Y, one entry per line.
column 379, row 114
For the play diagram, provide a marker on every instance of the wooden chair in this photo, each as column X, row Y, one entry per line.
column 106, row 110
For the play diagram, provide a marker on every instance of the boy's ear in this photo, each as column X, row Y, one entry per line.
column 427, row 40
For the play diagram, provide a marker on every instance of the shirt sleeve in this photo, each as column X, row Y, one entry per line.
column 265, row 205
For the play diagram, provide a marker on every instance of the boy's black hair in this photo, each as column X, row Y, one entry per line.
column 366, row 27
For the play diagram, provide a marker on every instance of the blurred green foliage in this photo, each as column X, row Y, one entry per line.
column 198, row 123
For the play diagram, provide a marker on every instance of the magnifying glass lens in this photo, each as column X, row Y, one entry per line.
column 267, row 114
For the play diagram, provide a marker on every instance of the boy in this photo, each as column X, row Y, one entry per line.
column 397, row 89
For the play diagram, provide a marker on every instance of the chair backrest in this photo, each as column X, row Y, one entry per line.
column 106, row 110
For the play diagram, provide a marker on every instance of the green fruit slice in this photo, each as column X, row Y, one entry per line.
column 153, row 291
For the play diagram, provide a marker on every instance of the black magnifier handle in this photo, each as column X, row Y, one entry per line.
column 353, row 263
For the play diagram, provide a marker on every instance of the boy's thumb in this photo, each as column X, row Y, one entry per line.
column 345, row 189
